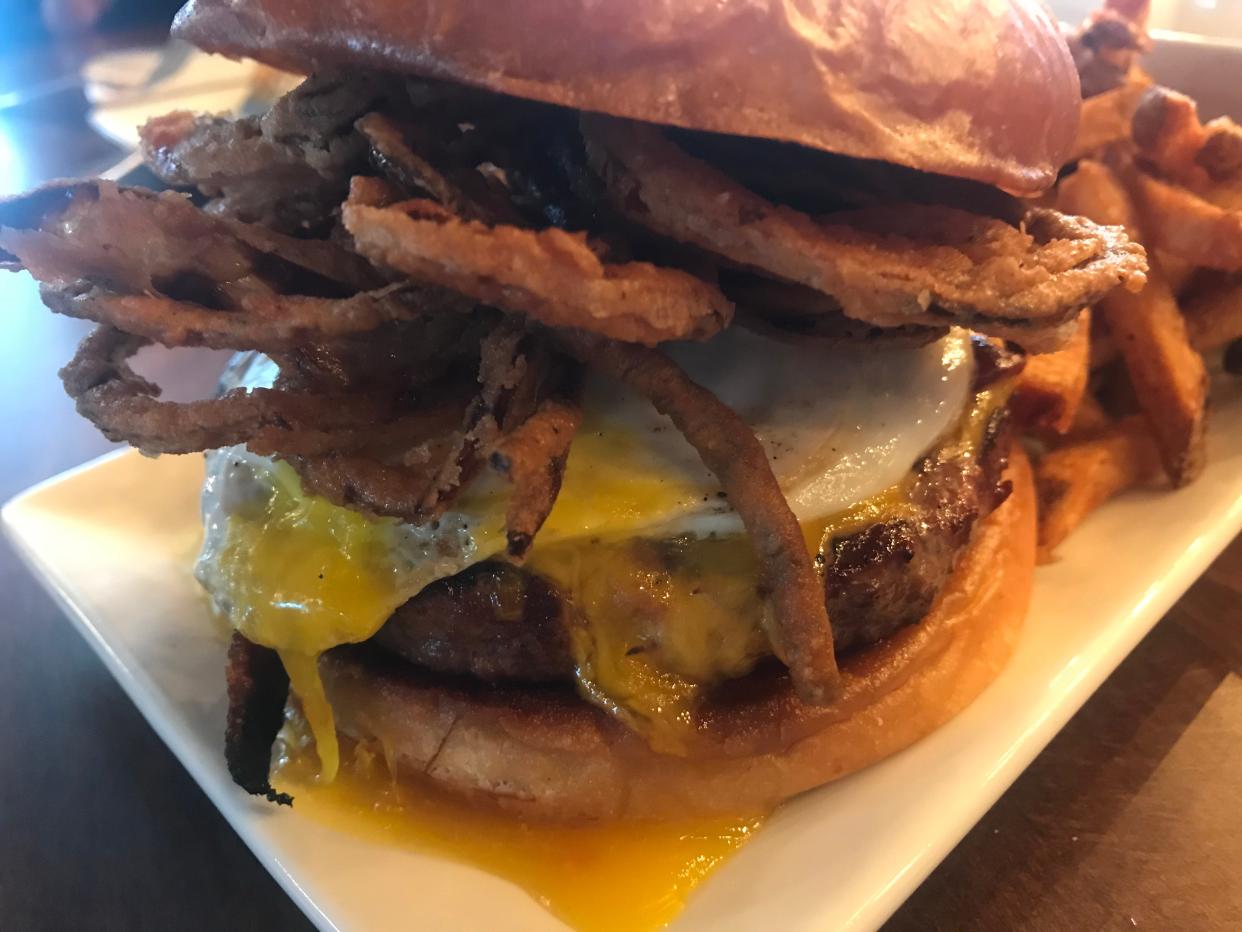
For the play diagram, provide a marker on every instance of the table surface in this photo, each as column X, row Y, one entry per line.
column 1132, row 817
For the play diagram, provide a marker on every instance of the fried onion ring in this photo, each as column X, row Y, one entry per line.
column 417, row 480
column 182, row 278
column 799, row 630
column 140, row 242
column 124, row 407
column 549, row 275
column 268, row 323
column 894, row 265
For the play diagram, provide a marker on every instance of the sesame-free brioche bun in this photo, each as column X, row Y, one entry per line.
column 978, row 89
column 549, row 755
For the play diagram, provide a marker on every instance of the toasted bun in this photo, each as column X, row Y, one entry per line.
column 980, row 89
column 549, row 755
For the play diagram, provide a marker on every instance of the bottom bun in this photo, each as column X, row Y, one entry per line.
column 547, row 754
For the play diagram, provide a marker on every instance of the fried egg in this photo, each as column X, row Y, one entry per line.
column 840, row 425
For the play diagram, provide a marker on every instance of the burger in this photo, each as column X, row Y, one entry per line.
column 621, row 429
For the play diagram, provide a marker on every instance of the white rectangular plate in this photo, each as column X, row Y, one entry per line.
column 113, row 542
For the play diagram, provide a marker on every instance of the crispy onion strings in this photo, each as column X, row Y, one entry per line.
column 125, row 407
column 140, row 242
column 893, row 265
column 268, row 323
column 417, row 479
column 799, row 630
column 548, row 275
column 532, row 458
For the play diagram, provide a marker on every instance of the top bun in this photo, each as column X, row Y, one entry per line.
column 978, row 89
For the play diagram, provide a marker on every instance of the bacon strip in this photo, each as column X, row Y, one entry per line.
column 258, row 688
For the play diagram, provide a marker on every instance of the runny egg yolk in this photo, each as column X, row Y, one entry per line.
column 302, row 575
column 653, row 622
column 614, row 485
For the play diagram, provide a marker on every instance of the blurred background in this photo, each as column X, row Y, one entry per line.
column 77, row 77
column 1206, row 17
column 31, row 21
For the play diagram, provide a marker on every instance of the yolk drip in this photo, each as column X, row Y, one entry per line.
column 627, row 877
column 303, row 576
column 653, row 621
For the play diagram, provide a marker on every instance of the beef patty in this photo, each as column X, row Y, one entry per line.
column 497, row 622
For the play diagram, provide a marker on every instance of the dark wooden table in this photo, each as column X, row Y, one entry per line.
column 1132, row 818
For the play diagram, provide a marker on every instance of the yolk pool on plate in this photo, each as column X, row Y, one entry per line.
column 599, row 878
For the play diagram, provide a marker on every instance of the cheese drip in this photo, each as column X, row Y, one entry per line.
column 298, row 574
